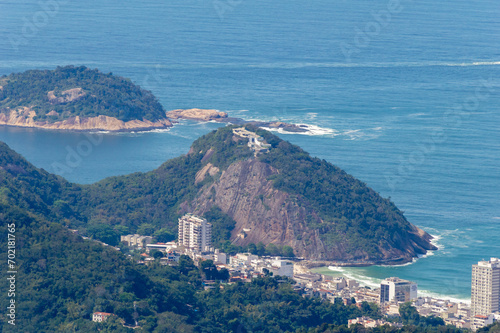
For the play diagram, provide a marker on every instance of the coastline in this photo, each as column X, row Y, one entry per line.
column 25, row 118
column 374, row 282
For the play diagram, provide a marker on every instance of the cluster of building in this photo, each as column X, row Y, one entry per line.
column 194, row 240
column 255, row 142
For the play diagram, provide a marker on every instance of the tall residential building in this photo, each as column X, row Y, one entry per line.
column 394, row 289
column 485, row 288
column 195, row 233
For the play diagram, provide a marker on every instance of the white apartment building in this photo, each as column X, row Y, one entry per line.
column 136, row 240
column 195, row 233
column 485, row 290
column 394, row 289
column 282, row 268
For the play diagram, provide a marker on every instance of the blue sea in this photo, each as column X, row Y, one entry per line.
column 404, row 95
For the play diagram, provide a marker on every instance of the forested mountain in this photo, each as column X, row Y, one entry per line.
column 66, row 92
column 284, row 197
column 62, row 279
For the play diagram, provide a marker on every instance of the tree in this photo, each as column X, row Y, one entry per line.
column 272, row 249
column 288, row 251
column 267, row 272
column 261, row 249
column 103, row 232
column 156, row 254
column 252, row 248
column 164, row 235
column 209, row 270
column 409, row 314
column 186, row 265
column 146, row 229
column 223, row 274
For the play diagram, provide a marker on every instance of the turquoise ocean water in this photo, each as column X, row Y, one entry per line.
column 403, row 95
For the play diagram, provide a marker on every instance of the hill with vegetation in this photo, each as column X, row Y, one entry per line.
column 42, row 98
column 281, row 199
column 62, row 279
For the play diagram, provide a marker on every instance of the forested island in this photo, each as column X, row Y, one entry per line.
column 83, row 99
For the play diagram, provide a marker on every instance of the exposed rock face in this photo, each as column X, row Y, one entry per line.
column 67, row 96
column 25, row 118
column 264, row 214
column 197, row 114
column 209, row 168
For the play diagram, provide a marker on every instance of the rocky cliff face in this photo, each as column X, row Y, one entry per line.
column 25, row 118
column 264, row 214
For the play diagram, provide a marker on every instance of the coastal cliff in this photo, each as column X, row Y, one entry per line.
column 265, row 214
column 286, row 197
column 26, row 118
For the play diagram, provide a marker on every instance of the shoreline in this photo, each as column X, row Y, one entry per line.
column 373, row 284
column 25, row 119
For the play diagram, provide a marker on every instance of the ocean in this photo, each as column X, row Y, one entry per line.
column 403, row 95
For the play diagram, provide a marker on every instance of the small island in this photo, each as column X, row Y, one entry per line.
column 78, row 98
column 82, row 99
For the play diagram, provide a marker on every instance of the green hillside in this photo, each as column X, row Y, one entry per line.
column 352, row 214
column 52, row 94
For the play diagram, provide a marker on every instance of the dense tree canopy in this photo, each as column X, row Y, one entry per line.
column 102, row 94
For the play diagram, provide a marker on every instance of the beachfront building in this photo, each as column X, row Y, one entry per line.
column 394, row 289
column 195, row 233
column 485, row 291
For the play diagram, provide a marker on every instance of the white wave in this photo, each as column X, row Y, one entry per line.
column 312, row 130
column 496, row 217
column 375, row 283
column 358, row 134
column 414, row 260
column 364, row 280
column 414, row 115
column 377, row 64
column 336, row 268
column 426, row 293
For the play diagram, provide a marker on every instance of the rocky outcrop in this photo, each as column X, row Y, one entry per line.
column 264, row 214
column 25, row 117
column 209, row 168
column 197, row 114
column 222, row 117
column 67, row 96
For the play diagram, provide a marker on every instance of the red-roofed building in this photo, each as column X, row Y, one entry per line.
column 99, row 317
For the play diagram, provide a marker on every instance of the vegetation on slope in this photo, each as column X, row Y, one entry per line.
column 347, row 206
column 351, row 212
column 103, row 94
column 62, row 279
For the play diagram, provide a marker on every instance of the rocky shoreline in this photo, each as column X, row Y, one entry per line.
column 25, row 117
column 222, row 117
